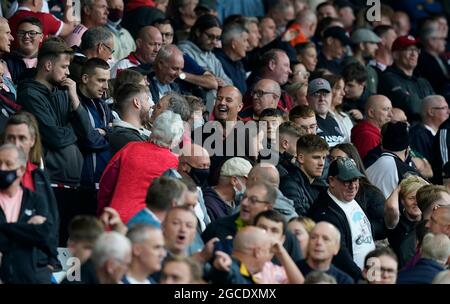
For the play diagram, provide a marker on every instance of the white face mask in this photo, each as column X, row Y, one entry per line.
column 238, row 194
column 152, row 104
column 198, row 120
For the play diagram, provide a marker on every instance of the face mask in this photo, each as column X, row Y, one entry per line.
column 199, row 176
column 198, row 120
column 238, row 194
column 7, row 177
column 152, row 104
column 115, row 15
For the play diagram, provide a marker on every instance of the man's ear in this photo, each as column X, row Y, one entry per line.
column 284, row 143
column 48, row 65
column 272, row 65
column 301, row 158
column 240, row 106
column 234, row 181
column 136, row 103
column 85, row 78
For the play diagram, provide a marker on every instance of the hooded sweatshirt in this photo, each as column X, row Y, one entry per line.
column 365, row 136
column 60, row 128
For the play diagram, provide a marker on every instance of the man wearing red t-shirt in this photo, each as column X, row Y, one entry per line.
column 51, row 26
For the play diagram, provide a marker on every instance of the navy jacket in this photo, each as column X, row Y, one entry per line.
column 422, row 273
column 95, row 147
column 234, row 69
column 422, row 141
column 340, row 276
column 27, row 248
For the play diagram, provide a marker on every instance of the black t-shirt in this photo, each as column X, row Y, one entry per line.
column 329, row 130
column 340, row 276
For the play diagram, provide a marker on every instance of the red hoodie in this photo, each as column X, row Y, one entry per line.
column 365, row 136
column 132, row 4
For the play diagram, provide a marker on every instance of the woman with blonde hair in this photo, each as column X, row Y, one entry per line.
column 401, row 215
column 301, row 227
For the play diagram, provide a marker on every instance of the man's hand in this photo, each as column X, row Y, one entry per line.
column 72, row 89
column 222, row 261
column 37, row 220
column 208, row 250
column 356, row 114
column 111, row 219
column 101, row 131
column 221, row 82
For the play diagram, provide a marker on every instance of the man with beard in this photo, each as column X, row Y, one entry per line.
column 133, row 102
column 52, row 98
column 365, row 44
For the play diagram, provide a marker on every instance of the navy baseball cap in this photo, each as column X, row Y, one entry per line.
column 338, row 33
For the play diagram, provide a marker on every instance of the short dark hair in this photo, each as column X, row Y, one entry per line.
column 382, row 29
column 85, row 228
column 127, row 76
column 52, row 48
column 162, row 191
column 93, row 63
column 376, row 253
column 269, row 112
column 270, row 55
column 203, row 24
column 274, row 216
column 355, row 71
column 301, row 111
column 311, row 143
column 302, row 47
column 32, row 20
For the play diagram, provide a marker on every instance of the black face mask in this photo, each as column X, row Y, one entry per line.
column 7, row 177
column 200, row 176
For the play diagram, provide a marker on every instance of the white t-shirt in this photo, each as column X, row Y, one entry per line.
column 383, row 174
column 362, row 240
column 134, row 281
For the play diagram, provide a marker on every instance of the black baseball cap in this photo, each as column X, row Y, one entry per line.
column 338, row 33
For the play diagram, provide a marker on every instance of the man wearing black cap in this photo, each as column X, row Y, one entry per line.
column 388, row 171
column 339, row 207
column 335, row 39
column 398, row 82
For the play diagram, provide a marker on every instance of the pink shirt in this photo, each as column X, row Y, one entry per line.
column 11, row 205
column 271, row 274
column 74, row 38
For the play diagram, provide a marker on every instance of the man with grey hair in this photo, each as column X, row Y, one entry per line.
column 130, row 172
column 234, row 48
column 435, row 254
column 172, row 101
column 265, row 94
column 111, row 257
column 168, row 66
column 432, row 63
column 93, row 13
column 97, row 42
column 147, row 253
column 148, row 44
column 434, row 113
column 26, row 226
column 324, row 244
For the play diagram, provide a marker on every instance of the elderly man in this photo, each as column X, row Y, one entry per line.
column 268, row 173
column 174, row 102
column 148, row 43
column 130, row 172
column 234, row 48
column 97, row 42
column 222, row 199
column 111, row 257
column 168, row 65
column 319, row 97
column 251, row 250
column 324, row 244
column 265, row 94
column 366, row 134
column 147, row 251
column 381, row 266
column 25, row 224
column 339, row 207
column 258, row 197
column 93, row 13
column 274, row 65
column 398, row 82
column 434, row 113
column 439, row 221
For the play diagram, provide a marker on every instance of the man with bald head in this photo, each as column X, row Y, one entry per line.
column 168, row 65
column 366, row 134
column 148, row 43
column 268, row 173
column 324, row 244
column 265, row 95
column 434, row 113
column 252, row 248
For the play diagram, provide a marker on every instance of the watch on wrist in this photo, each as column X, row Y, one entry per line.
column 182, row 76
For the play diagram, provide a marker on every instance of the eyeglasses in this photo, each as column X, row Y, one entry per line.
column 31, row 34
column 167, row 34
column 320, row 94
column 261, row 93
column 253, row 200
column 349, row 182
column 212, row 37
column 110, row 49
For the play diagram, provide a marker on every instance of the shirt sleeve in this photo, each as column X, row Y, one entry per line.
column 191, row 66
column 53, row 25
